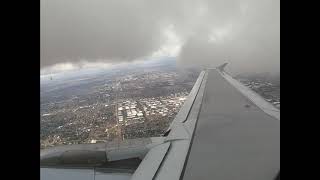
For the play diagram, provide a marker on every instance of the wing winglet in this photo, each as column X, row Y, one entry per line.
column 221, row 67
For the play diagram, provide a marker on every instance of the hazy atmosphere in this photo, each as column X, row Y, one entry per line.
column 245, row 33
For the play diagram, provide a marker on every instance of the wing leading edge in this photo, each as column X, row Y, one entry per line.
column 223, row 131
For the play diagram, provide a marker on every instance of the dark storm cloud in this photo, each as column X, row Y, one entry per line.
column 249, row 41
column 245, row 33
column 83, row 29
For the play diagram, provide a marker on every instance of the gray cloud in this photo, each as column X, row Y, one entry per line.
column 249, row 41
column 82, row 29
column 245, row 33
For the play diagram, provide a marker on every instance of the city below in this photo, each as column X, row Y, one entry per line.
column 124, row 103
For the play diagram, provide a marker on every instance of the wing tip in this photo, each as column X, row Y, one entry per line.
column 221, row 67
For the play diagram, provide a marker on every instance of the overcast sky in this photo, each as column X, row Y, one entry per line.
column 245, row 33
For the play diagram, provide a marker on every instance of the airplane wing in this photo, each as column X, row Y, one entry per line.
column 223, row 131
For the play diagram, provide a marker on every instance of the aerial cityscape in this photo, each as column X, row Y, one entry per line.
column 161, row 90
column 123, row 103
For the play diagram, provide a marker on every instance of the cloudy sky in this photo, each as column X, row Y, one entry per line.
column 245, row 33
